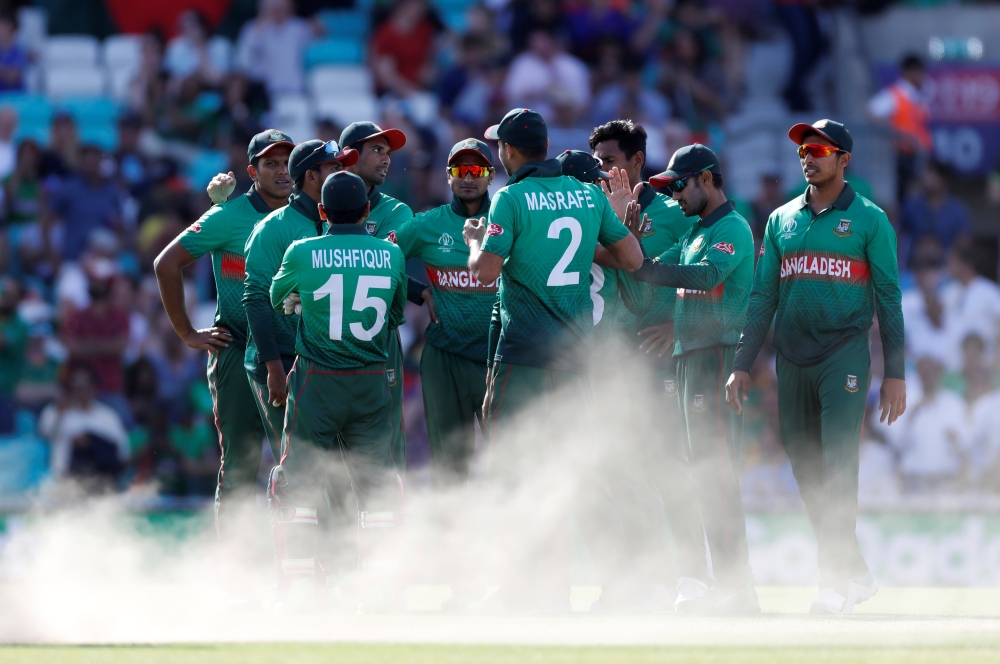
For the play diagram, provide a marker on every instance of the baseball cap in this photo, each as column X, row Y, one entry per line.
column 582, row 165
column 343, row 191
column 359, row 132
column 311, row 154
column 471, row 146
column 521, row 127
column 266, row 140
column 689, row 160
column 832, row 131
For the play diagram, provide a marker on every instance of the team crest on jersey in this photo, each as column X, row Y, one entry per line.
column 494, row 229
column 370, row 227
column 647, row 230
column 195, row 227
column 392, row 237
column 843, row 228
column 852, row 383
column 670, row 387
column 446, row 241
column 390, row 375
column 788, row 228
column 724, row 247
column 698, row 404
column 698, row 242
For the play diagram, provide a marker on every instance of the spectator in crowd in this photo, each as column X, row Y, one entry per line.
column 877, row 477
column 244, row 104
column 8, row 147
column 13, row 341
column 529, row 16
column 976, row 374
column 147, row 89
column 931, row 209
column 177, row 367
column 142, row 392
column 22, row 194
column 693, row 82
column 39, row 384
column 402, row 52
column 618, row 90
column 971, row 304
column 13, row 58
column 270, row 47
column 471, row 92
column 481, row 25
column 135, row 173
column 769, row 198
column 86, row 436
column 923, row 310
column 593, row 22
column 902, row 108
column 190, row 54
column 930, row 436
column 984, row 420
column 545, row 73
column 63, row 154
column 800, row 20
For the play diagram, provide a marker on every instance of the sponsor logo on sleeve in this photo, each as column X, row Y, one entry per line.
column 724, row 247
column 392, row 237
column 761, row 252
column 494, row 229
column 843, row 228
column 852, row 383
column 195, row 227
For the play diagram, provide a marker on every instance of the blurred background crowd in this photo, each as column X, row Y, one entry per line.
column 114, row 116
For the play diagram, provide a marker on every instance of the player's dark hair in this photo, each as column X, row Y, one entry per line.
column 255, row 161
column 631, row 137
column 345, row 216
column 532, row 154
column 911, row 61
column 717, row 180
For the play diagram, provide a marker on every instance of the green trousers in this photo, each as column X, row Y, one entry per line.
column 272, row 416
column 453, row 389
column 542, row 445
column 715, row 441
column 394, row 374
column 240, row 435
column 821, row 411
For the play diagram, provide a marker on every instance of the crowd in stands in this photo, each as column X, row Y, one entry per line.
column 90, row 366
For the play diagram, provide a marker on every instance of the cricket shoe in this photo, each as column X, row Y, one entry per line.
column 829, row 602
column 723, row 601
column 861, row 588
column 689, row 591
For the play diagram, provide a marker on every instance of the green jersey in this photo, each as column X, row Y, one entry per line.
column 712, row 270
column 272, row 335
column 223, row 230
column 13, row 342
column 825, row 276
column 463, row 304
column 545, row 226
column 385, row 215
column 616, row 295
column 353, row 289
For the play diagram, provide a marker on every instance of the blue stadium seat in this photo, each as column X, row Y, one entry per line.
column 26, row 422
column 336, row 51
column 32, row 109
column 103, row 134
column 344, row 23
column 88, row 110
column 24, row 463
column 449, row 6
column 36, row 131
column 205, row 165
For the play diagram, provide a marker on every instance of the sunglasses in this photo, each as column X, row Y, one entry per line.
column 679, row 184
column 474, row 170
column 816, row 150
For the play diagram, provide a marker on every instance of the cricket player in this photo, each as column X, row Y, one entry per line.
column 375, row 147
column 539, row 241
column 827, row 265
column 453, row 363
column 712, row 270
column 271, row 347
column 223, row 231
column 351, row 288
column 621, row 144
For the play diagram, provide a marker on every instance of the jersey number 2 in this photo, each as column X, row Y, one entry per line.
column 559, row 276
column 334, row 287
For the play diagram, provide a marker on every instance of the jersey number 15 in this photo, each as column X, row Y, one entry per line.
column 334, row 288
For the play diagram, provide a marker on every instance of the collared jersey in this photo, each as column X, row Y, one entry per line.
column 223, row 230
column 353, row 289
column 615, row 296
column 265, row 249
column 545, row 226
column 385, row 216
column 712, row 312
column 825, row 276
column 463, row 303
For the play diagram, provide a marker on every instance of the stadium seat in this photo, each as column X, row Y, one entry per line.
column 342, row 79
column 220, row 50
column 344, row 23
column 30, row 108
column 90, row 109
column 334, row 51
column 32, row 28
column 74, row 81
column 102, row 134
column 291, row 108
column 70, row 51
column 205, row 165
column 24, row 462
column 119, row 81
column 121, row 52
column 36, row 131
column 346, row 109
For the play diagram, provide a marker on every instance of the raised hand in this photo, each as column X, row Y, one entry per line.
column 221, row 187
column 474, row 230
column 618, row 191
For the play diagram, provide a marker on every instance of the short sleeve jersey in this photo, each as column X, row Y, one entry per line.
column 353, row 289
column 463, row 303
column 223, row 231
column 385, row 216
column 545, row 226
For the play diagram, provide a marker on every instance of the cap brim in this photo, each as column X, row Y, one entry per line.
column 348, row 157
column 491, row 133
column 396, row 138
column 273, row 145
column 798, row 132
column 663, row 179
column 603, row 175
column 470, row 151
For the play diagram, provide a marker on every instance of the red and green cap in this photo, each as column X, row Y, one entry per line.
column 688, row 161
column 471, row 146
column 522, row 128
column 266, row 140
column 357, row 133
column 832, row 131
column 343, row 191
column 583, row 166
column 310, row 154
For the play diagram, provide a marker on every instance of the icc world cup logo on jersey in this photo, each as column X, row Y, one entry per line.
column 446, row 241
column 788, row 229
column 852, row 384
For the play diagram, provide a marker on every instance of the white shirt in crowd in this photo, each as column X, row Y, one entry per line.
column 984, row 433
column 877, row 478
column 883, row 104
column 972, row 309
column 532, row 81
column 61, row 428
column 922, row 338
column 272, row 53
column 930, row 438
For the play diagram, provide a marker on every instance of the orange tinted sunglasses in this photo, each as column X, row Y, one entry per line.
column 816, row 150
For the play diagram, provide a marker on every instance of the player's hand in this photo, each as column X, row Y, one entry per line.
column 618, row 191
column 277, row 385
column 292, row 305
column 738, row 390
column 660, row 339
column 474, row 230
column 892, row 400
column 633, row 221
column 428, row 297
column 210, row 339
column 221, row 187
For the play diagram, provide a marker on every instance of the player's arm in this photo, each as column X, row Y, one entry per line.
column 286, row 281
column 719, row 261
column 407, row 238
column 619, row 250
column 636, row 296
column 399, row 296
column 760, row 313
column 262, row 263
column 490, row 240
column 209, row 232
column 881, row 251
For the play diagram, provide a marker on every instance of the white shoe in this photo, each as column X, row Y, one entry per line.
column 689, row 589
column 860, row 588
column 829, row 603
